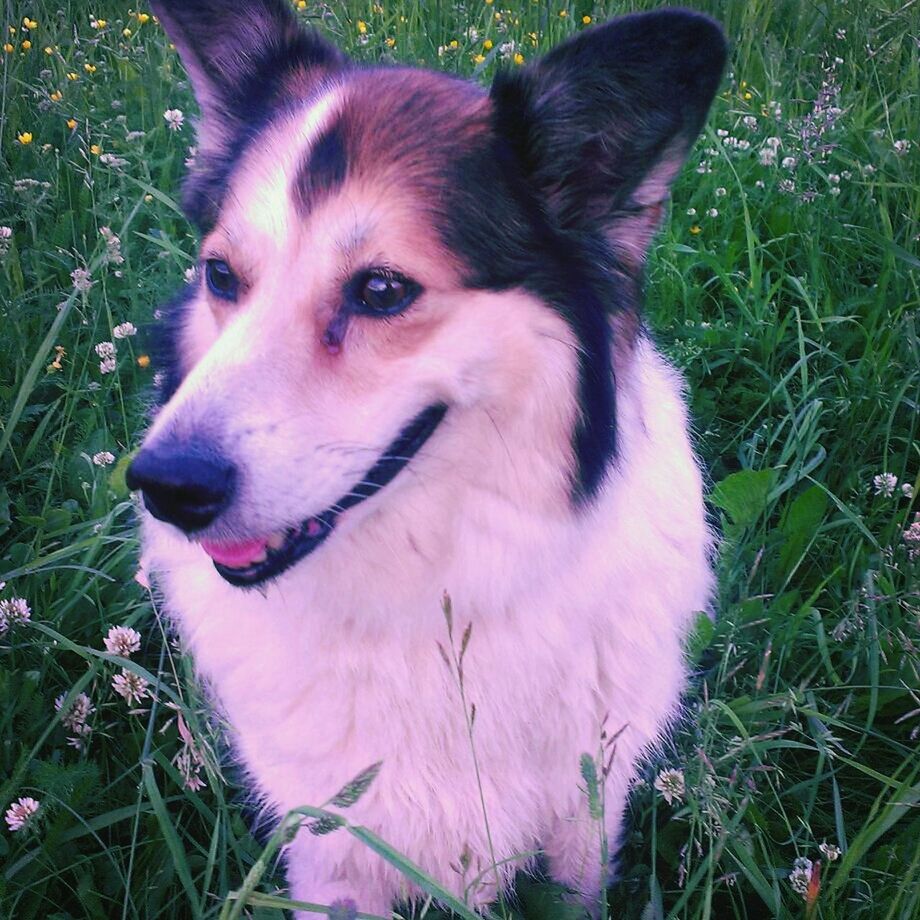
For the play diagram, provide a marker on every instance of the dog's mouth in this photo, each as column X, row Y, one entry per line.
column 248, row 563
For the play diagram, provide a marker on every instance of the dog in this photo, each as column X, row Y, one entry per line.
column 412, row 364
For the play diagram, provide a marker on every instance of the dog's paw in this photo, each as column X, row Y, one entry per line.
column 343, row 909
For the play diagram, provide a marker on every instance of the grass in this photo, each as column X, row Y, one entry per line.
column 794, row 314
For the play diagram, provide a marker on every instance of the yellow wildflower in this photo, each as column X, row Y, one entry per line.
column 390, row 43
column 454, row 44
column 101, row 23
column 95, row 150
column 26, row 45
column 73, row 76
column 143, row 17
column 148, row 198
column 143, row 360
column 563, row 14
column 487, row 44
column 71, row 123
column 743, row 84
column 8, row 48
column 478, row 58
column 489, row 2
column 57, row 96
column 126, row 32
column 29, row 23
column 89, row 68
column 362, row 27
column 25, row 137
column 60, row 352
column 48, row 49
column 519, row 58
column 696, row 228
column 301, row 4
column 498, row 17
column 748, row 96
column 586, row 20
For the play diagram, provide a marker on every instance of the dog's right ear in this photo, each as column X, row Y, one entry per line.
column 241, row 57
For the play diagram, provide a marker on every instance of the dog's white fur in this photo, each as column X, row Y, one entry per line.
column 577, row 616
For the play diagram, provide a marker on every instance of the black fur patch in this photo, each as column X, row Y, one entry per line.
column 518, row 247
column 164, row 340
column 323, row 170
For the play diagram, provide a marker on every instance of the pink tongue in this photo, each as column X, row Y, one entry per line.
column 234, row 555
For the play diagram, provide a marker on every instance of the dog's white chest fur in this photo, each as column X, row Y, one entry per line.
column 576, row 623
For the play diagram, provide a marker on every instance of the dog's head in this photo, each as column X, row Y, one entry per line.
column 397, row 265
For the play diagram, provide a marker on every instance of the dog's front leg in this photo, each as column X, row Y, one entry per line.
column 337, row 872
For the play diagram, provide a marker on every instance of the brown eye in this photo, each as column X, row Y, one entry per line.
column 383, row 293
column 221, row 280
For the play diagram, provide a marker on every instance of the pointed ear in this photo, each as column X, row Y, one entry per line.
column 602, row 124
column 241, row 56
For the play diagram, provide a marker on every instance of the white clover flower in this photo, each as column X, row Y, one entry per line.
column 103, row 458
column 6, row 233
column 760, row 184
column 907, row 490
column 788, row 163
column 109, row 159
column 691, row 212
column 901, row 147
column 14, row 610
column 767, row 156
column 132, row 136
column 18, row 814
column 107, row 366
column 81, row 279
column 800, row 876
column 721, row 192
column 869, row 170
column 749, row 121
column 721, row 132
column 911, row 537
column 76, row 717
column 174, row 119
column 831, row 851
column 112, row 246
column 122, row 640
column 130, row 686
column 884, row 484
column 833, row 178
column 123, row 330
column 712, row 212
column 840, row 34
column 670, row 783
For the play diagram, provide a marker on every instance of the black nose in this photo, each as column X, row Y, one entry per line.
column 186, row 485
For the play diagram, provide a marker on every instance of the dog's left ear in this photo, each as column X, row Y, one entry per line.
column 602, row 124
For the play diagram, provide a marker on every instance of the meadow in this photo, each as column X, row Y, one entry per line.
column 784, row 282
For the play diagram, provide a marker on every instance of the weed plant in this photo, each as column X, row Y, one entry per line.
column 785, row 284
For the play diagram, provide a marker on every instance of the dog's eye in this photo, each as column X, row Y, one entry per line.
column 221, row 280
column 383, row 293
